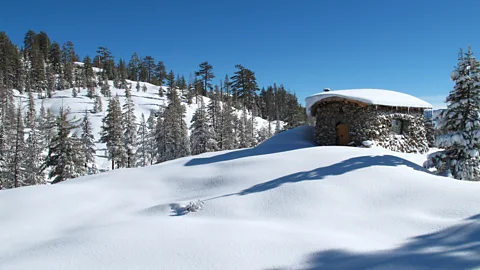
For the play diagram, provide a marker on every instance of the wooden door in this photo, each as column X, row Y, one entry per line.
column 343, row 134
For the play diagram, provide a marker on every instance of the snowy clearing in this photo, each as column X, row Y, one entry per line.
column 282, row 205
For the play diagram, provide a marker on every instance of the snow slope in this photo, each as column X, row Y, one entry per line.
column 282, row 205
column 145, row 102
column 371, row 96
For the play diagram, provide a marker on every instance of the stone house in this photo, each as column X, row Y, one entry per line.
column 385, row 118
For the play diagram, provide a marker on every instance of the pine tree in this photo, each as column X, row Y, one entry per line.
column 142, row 144
column 88, row 144
column 34, row 158
column 16, row 152
column 80, row 168
column 122, row 74
column 138, row 86
column 62, row 152
column 462, row 123
column 263, row 134
column 214, row 117
column 201, row 138
column 68, row 57
column 91, row 92
column 149, row 64
column 160, row 139
column 250, row 132
column 160, row 73
column 97, row 105
column 133, row 67
column 144, row 88
column 50, row 85
column 31, row 113
column 171, row 81
column 105, row 89
column 228, row 126
column 104, row 60
column 151, row 140
column 130, row 128
column 206, row 75
column 49, row 127
column 112, row 134
column 88, row 74
column 176, row 135
column 74, row 92
column 244, row 86
column 242, row 140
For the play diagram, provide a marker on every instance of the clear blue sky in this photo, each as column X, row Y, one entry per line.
column 409, row 46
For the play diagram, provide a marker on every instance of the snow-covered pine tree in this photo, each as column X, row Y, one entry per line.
column 138, row 86
column 48, row 127
column 89, row 75
column 142, row 143
column 74, row 92
column 214, row 115
column 263, row 134
column 151, row 141
column 242, row 139
column 105, row 89
column 228, row 126
column 122, row 73
column 34, row 157
column 97, row 105
column 130, row 132
column 160, row 138
column 88, row 145
column 201, row 136
column 81, row 167
column 177, row 143
column 112, row 134
column 15, row 173
column 62, row 155
column 461, row 121
column 31, row 112
column 90, row 91
column 144, row 88
column 251, row 128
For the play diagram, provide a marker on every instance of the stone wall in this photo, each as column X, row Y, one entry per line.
column 371, row 123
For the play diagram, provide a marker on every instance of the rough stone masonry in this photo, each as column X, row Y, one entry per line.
column 372, row 123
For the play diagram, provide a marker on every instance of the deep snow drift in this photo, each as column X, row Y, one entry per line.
column 282, row 205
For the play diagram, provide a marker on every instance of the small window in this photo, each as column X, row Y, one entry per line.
column 397, row 126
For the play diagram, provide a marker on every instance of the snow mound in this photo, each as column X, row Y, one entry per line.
column 370, row 96
column 269, row 207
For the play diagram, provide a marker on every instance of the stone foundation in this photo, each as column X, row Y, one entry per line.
column 371, row 123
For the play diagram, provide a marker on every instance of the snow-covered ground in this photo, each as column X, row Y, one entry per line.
column 282, row 205
column 145, row 102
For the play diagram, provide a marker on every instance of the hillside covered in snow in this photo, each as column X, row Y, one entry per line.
column 284, row 204
column 62, row 116
column 146, row 101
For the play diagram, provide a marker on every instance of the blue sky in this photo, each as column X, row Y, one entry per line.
column 409, row 46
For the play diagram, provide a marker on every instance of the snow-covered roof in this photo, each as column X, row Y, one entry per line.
column 371, row 97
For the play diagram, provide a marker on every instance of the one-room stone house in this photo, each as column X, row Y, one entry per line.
column 385, row 118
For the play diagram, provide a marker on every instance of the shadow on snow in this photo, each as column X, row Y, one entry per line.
column 457, row 247
column 340, row 168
